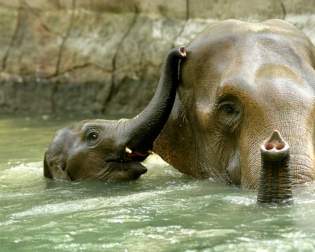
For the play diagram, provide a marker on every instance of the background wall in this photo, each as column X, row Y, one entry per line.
column 104, row 56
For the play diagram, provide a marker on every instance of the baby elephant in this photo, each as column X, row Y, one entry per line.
column 111, row 150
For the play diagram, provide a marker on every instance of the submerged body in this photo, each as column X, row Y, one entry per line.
column 240, row 82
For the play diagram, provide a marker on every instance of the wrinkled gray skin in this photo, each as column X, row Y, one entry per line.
column 111, row 150
column 240, row 82
column 275, row 185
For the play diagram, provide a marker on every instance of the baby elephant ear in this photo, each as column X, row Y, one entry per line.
column 55, row 166
column 47, row 172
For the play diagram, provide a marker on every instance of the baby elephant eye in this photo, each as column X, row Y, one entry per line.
column 92, row 137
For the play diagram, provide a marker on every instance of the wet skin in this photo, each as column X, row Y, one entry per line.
column 240, row 82
column 111, row 150
column 275, row 185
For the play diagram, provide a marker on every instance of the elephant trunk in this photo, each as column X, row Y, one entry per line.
column 142, row 130
column 275, row 178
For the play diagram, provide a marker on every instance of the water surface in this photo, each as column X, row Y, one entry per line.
column 163, row 211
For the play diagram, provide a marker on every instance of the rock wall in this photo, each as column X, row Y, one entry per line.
column 104, row 56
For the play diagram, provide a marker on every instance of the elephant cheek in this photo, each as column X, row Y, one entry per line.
column 60, row 173
column 77, row 167
column 250, row 164
column 233, row 168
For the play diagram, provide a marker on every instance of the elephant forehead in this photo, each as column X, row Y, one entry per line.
column 254, row 59
column 278, row 71
column 106, row 127
column 268, row 79
column 98, row 123
column 235, row 31
column 239, row 46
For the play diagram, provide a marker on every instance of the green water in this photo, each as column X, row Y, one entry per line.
column 163, row 211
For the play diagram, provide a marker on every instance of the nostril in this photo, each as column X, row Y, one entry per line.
column 274, row 148
column 269, row 146
column 280, row 146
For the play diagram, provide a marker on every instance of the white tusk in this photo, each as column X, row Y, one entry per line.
column 129, row 151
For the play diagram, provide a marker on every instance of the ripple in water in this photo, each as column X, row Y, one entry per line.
column 163, row 211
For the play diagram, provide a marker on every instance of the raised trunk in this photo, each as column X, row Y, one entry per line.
column 275, row 178
column 142, row 130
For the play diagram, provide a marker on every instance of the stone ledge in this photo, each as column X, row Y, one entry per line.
column 104, row 57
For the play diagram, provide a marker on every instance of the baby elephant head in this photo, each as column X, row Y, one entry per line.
column 113, row 149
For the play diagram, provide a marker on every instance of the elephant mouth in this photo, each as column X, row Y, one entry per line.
column 126, row 170
column 135, row 155
column 133, row 164
column 137, row 170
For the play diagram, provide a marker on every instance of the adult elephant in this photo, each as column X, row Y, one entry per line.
column 244, row 112
column 113, row 149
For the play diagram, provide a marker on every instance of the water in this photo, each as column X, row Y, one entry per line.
column 163, row 211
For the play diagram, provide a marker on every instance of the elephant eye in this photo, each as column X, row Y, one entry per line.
column 228, row 108
column 92, row 136
column 229, row 113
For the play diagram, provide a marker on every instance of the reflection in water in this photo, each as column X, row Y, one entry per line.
column 163, row 211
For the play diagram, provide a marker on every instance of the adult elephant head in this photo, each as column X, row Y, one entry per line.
column 113, row 149
column 246, row 101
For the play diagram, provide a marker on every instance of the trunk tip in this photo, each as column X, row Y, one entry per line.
column 275, row 148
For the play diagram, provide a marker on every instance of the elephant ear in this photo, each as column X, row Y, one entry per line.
column 176, row 143
column 47, row 172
